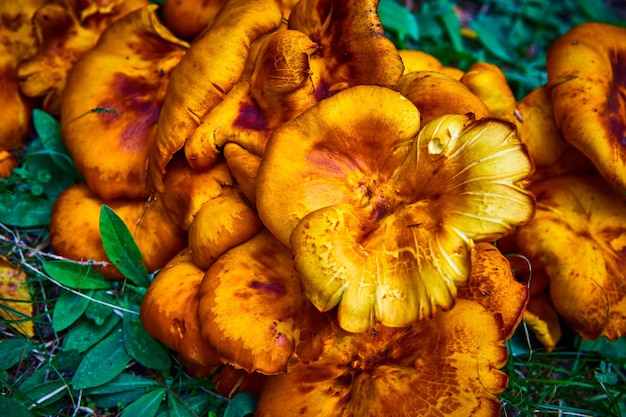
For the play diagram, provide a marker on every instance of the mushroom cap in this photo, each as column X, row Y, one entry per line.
column 537, row 128
column 445, row 366
column 221, row 223
column 367, row 233
column 197, row 85
column 65, row 30
column 586, row 68
column 253, row 310
column 187, row 190
column 543, row 320
column 278, row 89
column 489, row 83
column 14, row 286
column 436, row 94
column 587, row 216
column 75, row 228
column 17, row 42
column 8, row 162
column 352, row 46
column 187, row 19
column 244, row 166
column 415, row 60
column 127, row 71
column 169, row 310
column 493, row 285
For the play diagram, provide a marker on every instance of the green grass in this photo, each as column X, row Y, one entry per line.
column 59, row 372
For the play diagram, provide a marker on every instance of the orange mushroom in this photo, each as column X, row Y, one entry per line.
column 578, row 236
column 489, row 83
column 368, row 234
column 436, row 94
column 75, row 228
column 169, row 311
column 252, row 308
column 187, row 19
column 586, row 81
column 197, row 85
column 127, row 72
column 64, row 31
column 415, row 60
column 352, row 46
column 448, row 365
column 17, row 42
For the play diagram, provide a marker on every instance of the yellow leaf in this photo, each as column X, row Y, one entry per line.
column 13, row 286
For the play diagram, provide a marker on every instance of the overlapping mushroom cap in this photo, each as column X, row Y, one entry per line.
column 17, row 42
column 578, row 236
column 65, row 30
column 125, row 75
column 380, row 215
column 587, row 83
column 444, row 366
column 353, row 49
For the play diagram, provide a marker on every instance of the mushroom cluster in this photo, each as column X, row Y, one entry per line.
column 320, row 208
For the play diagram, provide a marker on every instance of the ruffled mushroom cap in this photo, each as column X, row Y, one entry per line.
column 493, row 285
column 370, row 235
column 352, row 46
column 489, row 83
column 187, row 190
column 65, row 30
column 436, row 94
column 17, row 42
column 197, row 84
column 221, row 223
column 278, row 89
column 169, row 311
column 445, row 366
column 75, row 229
column 415, row 60
column 578, row 236
column 253, row 310
column 537, row 128
column 586, row 81
column 187, row 19
column 128, row 73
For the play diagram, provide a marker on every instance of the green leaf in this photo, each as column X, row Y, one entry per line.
column 490, row 35
column 604, row 347
column 119, row 398
column 24, row 210
column 398, row 19
column 102, row 363
column 121, row 248
column 452, row 26
column 68, row 308
column 12, row 351
column 77, row 276
column 123, row 382
column 241, row 405
column 100, row 308
column 49, row 132
column 145, row 406
column 11, row 407
column 141, row 346
column 85, row 333
column 177, row 408
column 47, row 393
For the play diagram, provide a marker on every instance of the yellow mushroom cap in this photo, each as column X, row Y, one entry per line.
column 489, row 83
column 75, row 228
column 447, row 366
column 586, row 81
column 169, row 310
column 253, row 310
column 125, row 76
column 579, row 236
column 381, row 219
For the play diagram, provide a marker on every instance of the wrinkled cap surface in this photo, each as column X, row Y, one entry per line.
column 587, row 83
column 352, row 46
column 112, row 102
column 381, row 216
column 447, row 366
column 579, row 236
column 253, row 310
